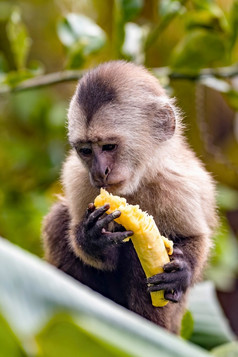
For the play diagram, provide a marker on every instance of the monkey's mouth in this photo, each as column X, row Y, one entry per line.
column 111, row 187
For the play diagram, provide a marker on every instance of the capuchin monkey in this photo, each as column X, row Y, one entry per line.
column 126, row 136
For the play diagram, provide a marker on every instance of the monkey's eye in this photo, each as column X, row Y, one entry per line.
column 109, row 147
column 85, row 151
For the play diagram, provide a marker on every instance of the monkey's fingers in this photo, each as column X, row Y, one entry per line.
column 162, row 286
column 94, row 216
column 177, row 254
column 163, row 278
column 175, row 265
column 103, row 222
column 90, row 209
column 174, row 296
column 116, row 237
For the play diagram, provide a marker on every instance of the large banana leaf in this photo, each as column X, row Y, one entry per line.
column 32, row 292
column 210, row 325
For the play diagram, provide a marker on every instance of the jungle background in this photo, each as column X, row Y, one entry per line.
column 45, row 47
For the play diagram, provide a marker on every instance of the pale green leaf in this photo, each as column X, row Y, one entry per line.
column 32, row 291
column 227, row 198
column 133, row 47
column 224, row 259
column 170, row 7
column 194, row 51
column 19, row 39
column 9, row 344
column 215, row 83
column 63, row 337
column 211, row 328
column 227, row 350
column 81, row 36
column 79, row 29
column 187, row 325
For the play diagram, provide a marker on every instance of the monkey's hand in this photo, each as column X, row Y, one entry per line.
column 175, row 279
column 93, row 233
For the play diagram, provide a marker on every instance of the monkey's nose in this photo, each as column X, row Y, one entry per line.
column 107, row 172
column 103, row 174
column 100, row 176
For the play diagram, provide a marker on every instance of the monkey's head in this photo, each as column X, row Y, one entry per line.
column 118, row 120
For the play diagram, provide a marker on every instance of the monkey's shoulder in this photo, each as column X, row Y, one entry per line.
column 77, row 186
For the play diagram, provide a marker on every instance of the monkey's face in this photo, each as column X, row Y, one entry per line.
column 117, row 120
column 108, row 164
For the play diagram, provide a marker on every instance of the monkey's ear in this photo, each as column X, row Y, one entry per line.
column 163, row 120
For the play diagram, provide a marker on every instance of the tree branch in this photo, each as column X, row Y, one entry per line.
column 68, row 76
column 44, row 80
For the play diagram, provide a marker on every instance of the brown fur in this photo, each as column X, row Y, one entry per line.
column 162, row 175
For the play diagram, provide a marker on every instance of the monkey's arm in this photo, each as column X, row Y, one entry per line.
column 55, row 233
column 184, row 269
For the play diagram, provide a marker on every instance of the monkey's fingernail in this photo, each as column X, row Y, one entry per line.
column 116, row 214
column 91, row 206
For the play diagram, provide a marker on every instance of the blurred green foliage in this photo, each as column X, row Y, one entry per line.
column 185, row 37
column 33, row 143
column 47, row 313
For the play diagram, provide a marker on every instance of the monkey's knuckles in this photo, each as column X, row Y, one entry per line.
column 172, row 281
column 174, row 296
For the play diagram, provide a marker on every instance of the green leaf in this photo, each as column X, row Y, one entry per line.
column 212, row 20
column 13, row 78
column 5, row 10
column 63, row 337
column 133, row 47
column 10, row 346
column 81, row 36
column 36, row 67
column 75, row 56
column 227, row 198
column 219, row 85
column 207, row 14
column 123, row 11
column 32, row 291
column 198, row 49
column 205, row 5
column 3, row 64
column 18, row 38
column 232, row 99
column 168, row 10
column 129, row 9
column 224, row 259
column 227, row 350
column 3, row 68
column 187, row 325
column 234, row 23
column 210, row 325
column 170, row 7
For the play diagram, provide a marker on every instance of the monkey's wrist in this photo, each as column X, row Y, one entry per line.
column 86, row 248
